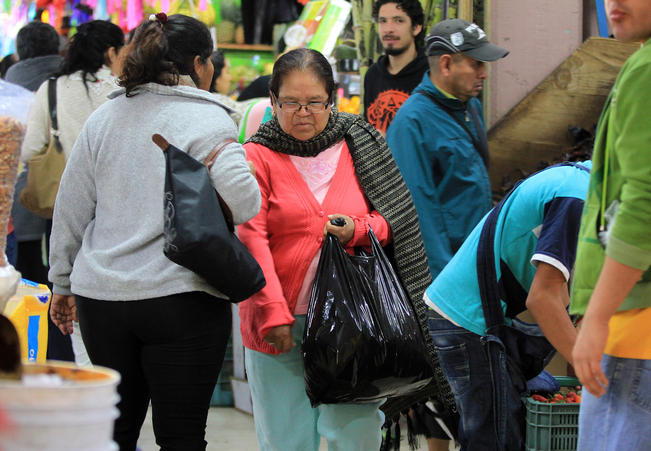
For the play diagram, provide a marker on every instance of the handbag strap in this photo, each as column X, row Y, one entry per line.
column 210, row 159
column 208, row 162
column 481, row 144
column 489, row 288
column 212, row 156
column 52, row 107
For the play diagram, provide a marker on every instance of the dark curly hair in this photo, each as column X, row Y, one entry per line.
column 161, row 52
column 413, row 9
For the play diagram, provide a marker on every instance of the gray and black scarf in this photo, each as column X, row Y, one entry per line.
column 385, row 188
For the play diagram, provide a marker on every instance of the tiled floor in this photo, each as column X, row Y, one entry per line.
column 228, row 430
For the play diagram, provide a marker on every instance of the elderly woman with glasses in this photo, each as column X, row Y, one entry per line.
column 314, row 164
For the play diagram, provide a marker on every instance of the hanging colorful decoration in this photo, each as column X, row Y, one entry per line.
column 82, row 11
column 125, row 13
column 134, row 13
column 56, row 9
column 13, row 15
column 100, row 11
column 202, row 10
column 31, row 11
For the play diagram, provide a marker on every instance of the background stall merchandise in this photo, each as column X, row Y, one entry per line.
column 251, row 33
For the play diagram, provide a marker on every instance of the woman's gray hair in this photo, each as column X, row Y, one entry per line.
column 301, row 60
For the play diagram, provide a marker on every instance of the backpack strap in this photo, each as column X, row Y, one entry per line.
column 489, row 289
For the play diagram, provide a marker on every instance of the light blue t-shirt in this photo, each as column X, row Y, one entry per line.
column 539, row 222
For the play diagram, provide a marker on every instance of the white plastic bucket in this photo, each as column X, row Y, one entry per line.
column 75, row 416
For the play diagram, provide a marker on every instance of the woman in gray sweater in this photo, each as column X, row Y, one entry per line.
column 160, row 325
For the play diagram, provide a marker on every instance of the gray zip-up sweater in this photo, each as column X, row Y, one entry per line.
column 107, row 234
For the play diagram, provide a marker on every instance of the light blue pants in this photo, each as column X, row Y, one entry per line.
column 284, row 418
column 620, row 419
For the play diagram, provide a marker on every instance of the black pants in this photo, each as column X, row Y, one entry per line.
column 168, row 350
column 29, row 261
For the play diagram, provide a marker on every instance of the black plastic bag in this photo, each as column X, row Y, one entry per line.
column 197, row 235
column 362, row 339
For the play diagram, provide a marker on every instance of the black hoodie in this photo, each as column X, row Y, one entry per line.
column 384, row 92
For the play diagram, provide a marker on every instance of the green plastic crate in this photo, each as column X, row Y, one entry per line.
column 553, row 427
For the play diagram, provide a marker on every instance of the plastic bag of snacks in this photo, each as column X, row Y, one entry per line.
column 14, row 107
column 15, row 101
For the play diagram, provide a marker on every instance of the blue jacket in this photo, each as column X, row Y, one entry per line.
column 443, row 170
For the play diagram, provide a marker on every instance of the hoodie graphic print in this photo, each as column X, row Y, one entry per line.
column 384, row 93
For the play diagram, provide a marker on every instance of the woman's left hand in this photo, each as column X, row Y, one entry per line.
column 63, row 312
column 345, row 233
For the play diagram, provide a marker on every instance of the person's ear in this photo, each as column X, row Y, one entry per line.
column 198, row 66
column 113, row 59
column 110, row 56
column 204, row 71
column 274, row 103
column 416, row 29
column 445, row 64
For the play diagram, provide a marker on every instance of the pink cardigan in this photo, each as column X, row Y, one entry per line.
column 287, row 233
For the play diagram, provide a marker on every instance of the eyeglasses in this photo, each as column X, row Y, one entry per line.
column 295, row 107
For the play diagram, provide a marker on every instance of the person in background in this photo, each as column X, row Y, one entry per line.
column 6, row 63
column 83, row 84
column 612, row 278
column 531, row 257
column 164, row 328
column 37, row 45
column 258, row 88
column 390, row 80
column 221, row 85
column 222, row 76
column 314, row 164
column 438, row 139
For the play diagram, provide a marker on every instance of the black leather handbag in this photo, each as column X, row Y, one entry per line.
column 198, row 235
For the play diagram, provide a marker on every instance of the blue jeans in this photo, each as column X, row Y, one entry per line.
column 620, row 419
column 490, row 406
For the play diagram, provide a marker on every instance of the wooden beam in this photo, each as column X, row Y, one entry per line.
column 573, row 94
column 465, row 10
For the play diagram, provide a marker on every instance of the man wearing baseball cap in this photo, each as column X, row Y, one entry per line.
column 439, row 142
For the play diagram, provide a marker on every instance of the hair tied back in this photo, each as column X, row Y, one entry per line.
column 161, row 18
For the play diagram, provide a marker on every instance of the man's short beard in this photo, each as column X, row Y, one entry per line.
column 395, row 51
